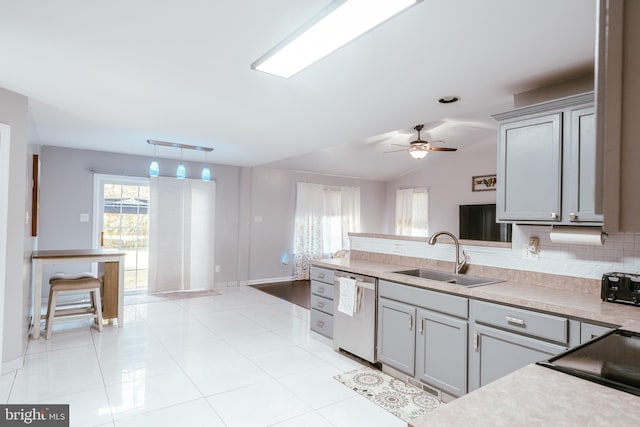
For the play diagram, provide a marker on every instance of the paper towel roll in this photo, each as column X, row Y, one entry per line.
column 577, row 235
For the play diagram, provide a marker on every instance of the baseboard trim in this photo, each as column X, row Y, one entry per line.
column 271, row 280
column 12, row 365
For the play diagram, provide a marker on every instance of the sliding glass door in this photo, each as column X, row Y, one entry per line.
column 122, row 222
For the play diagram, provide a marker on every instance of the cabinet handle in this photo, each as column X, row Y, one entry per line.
column 321, row 276
column 421, row 326
column 320, row 323
column 573, row 217
column 554, row 215
column 410, row 322
column 321, row 290
column 515, row 320
column 475, row 341
column 320, row 304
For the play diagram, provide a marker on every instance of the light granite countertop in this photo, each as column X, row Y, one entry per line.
column 533, row 395
column 536, row 297
column 538, row 396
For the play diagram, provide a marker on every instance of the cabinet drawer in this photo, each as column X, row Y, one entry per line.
column 322, row 304
column 436, row 301
column 589, row 331
column 527, row 322
column 322, row 289
column 322, row 274
column 322, row 323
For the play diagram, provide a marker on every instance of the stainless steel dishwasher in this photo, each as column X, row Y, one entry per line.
column 357, row 334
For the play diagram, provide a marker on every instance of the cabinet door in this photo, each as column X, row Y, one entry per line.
column 494, row 353
column 529, row 169
column 441, row 352
column 580, row 174
column 396, row 335
column 589, row 331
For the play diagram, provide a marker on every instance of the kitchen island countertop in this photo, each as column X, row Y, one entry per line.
column 537, row 396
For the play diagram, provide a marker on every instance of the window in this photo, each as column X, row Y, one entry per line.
column 324, row 217
column 412, row 212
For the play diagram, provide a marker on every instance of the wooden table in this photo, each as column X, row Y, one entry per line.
column 113, row 292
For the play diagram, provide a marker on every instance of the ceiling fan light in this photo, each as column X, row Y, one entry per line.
column 418, row 152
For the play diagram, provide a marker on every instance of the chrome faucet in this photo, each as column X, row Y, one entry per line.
column 459, row 265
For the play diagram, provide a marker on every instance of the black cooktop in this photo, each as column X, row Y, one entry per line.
column 612, row 360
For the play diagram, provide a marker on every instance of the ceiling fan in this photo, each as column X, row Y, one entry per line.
column 419, row 148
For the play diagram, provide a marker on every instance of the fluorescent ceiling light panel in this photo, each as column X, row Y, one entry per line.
column 341, row 22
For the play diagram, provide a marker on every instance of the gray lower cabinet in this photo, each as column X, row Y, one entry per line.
column 321, row 313
column 495, row 353
column 441, row 352
column 423, row 334
column 504, row 339
column 396, row 335
column 589, row 331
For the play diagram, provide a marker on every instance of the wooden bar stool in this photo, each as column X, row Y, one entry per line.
column 60, row 283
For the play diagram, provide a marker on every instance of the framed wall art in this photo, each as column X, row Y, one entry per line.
column 484, row 183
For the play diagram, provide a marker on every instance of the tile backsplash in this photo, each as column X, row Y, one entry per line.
column 620, row 252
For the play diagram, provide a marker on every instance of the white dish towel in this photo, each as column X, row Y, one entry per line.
column 347, row 302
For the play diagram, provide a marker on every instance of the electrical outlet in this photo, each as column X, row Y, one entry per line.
column 84, row 217
column 217, row 269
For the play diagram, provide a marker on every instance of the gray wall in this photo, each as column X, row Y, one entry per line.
column 17, row 277
column 67, row 191
column 245, row 250
column 273, row 193
column 448, row 177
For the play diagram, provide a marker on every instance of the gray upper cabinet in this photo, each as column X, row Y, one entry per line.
column 618, row 109
column 529, row 169
column 581, row 163
column 396, row 335
column 441, row 352
column 546, row 163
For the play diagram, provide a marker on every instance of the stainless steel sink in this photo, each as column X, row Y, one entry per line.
column 441, row 276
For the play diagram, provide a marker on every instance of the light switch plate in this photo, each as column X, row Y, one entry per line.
column 84, row 217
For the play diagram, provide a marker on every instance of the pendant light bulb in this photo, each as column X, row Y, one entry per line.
column 181, row 171
column 154, row 167
column 206, row 174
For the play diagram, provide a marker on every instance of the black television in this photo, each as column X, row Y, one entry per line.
column 478, row 222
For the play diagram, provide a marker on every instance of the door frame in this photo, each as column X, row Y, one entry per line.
column 5, row 155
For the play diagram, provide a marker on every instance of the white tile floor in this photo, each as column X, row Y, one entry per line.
column 243, row 358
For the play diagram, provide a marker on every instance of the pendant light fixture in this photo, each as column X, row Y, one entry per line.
column 206, row 173
column 154, row 167
column 181, row 170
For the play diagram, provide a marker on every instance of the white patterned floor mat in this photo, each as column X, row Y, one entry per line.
column 403, row 400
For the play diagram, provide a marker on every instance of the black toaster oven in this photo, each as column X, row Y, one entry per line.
column 621, row 287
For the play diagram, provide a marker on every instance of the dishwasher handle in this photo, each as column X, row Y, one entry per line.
column 360, row 284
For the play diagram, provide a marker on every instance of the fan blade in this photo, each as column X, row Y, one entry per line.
column 442, row 149
column 400, row 145
column 395, row 151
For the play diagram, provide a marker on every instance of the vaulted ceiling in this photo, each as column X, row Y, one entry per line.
column 110, row 75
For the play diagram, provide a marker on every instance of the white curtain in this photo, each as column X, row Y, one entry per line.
column 181, row 234
column 323, row 217
column 412, row 207
column 350, row 213
column 308, row 226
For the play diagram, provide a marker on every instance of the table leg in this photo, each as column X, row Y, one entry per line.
column 36, row 281
column 110, row 291
column 121, row 292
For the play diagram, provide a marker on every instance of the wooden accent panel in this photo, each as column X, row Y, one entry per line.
column 110, row 291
